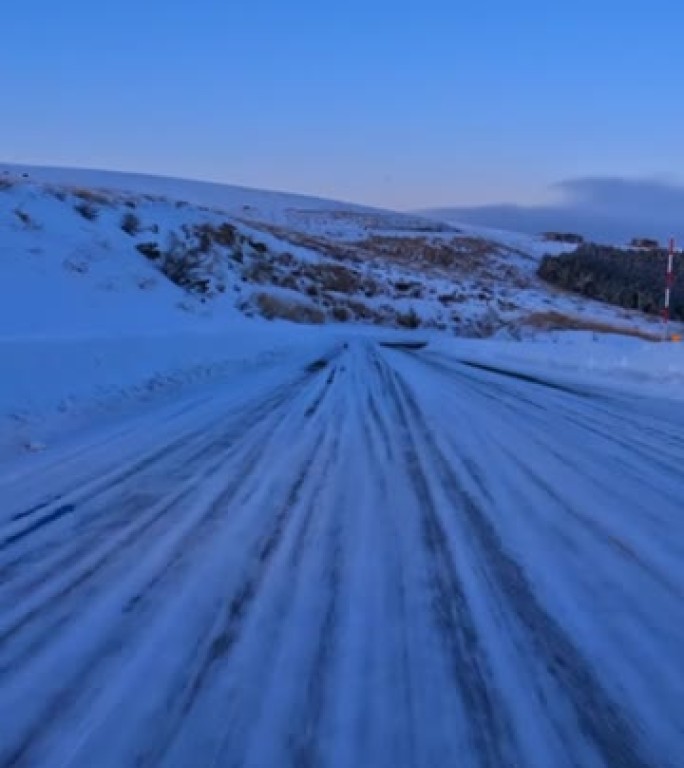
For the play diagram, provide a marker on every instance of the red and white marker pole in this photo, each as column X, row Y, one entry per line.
column 669, row 282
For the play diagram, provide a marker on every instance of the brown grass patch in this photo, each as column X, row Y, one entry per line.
column 130, row 224
column 277, row 307
column 409, row 319
column 87, row 210
column 261, row 272
column 557, row 321
column 456, row 253
column 91, row 196
column 370, row 220
column 361, row 311
column 207, row 236
column 475, row 246
column 334, row 277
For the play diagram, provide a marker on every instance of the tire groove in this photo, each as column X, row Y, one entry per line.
column 491, row 729
column 601, row 719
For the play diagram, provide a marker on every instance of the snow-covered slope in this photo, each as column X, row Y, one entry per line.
column 63, row 273
column 117, row 254
column 277, row 208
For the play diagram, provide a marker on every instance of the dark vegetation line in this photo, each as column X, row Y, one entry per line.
column 633, row 279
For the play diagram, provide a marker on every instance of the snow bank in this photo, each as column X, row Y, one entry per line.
column 620, row 361
column 60, row 384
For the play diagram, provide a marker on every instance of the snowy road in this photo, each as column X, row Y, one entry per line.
column 383, row 559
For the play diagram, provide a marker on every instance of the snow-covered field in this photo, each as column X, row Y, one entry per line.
column 53, row 387
column 630, row 364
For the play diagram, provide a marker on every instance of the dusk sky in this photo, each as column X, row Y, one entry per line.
column 400, row 104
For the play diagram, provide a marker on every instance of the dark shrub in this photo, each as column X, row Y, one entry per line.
column 23, row 217
column 563, row 237
column 149, row 251
column 409, row 319
column 258, row 247
column 225, row 235
column 130, row 224
column 626, row 278
column 87, row 210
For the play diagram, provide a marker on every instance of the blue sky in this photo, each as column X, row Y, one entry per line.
column 403, row 104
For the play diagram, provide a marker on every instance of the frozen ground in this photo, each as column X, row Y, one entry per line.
column 352, row 556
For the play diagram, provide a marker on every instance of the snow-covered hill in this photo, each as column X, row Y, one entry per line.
column 95, row 250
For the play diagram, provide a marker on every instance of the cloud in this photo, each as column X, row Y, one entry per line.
column 625, row 196
column 608, row 209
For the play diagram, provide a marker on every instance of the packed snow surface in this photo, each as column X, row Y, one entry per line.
column 353, row 556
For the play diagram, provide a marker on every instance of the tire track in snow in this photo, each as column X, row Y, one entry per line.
column 491, row 730
column 653, row 497
column 88, row 560
column 100, row 495
column 593, row 463
column 593, row 525
column 127, row 624
column 334, row 590
column 305, row 747
column 185, row 465
column 288, row 528
column 255, row 672
column 378, row 441
column 601, row 718
column 594, row 408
